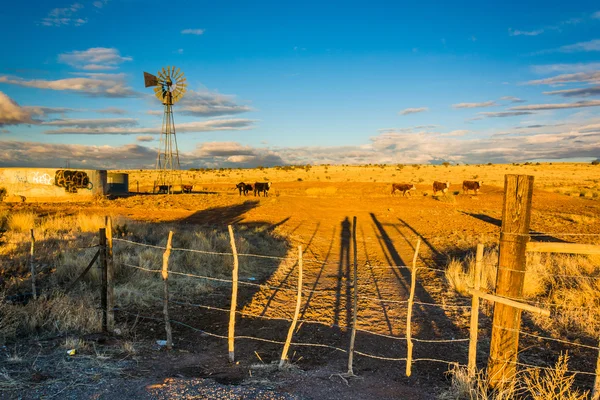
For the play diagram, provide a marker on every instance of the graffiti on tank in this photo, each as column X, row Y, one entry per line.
column 72, row 180
column 43, row 179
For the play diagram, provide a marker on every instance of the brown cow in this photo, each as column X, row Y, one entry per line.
column 403, row 187
column 187, row 188
column 472, row 185
column 440, row 187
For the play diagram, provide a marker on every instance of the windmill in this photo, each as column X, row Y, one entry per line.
column 169, row 87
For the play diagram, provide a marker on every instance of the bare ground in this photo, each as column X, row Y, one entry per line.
column 319, row 217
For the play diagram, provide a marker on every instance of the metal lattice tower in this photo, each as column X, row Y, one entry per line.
column 169, row 88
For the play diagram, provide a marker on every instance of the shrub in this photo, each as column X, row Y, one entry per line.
column 2, row 194
column 21, row 222
column 596, row 162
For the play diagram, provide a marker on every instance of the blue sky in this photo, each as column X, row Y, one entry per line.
column 287, row 83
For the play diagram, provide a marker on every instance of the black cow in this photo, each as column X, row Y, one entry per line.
column 472, row 185
column 243, row 188
column 440, row 187
column 187, row 188
column 262, row 187
column 403, row 187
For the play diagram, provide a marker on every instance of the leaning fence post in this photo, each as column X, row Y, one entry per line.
column 110, row 276
column 288, row 340
column 103, row 300
column 474, row 326
column 596, row 391
column 354, row 302
column 165, row 276
column 411, row 298
column 32, row 266
column 514, row 235
column 234, row 289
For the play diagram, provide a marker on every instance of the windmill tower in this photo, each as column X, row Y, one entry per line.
column 169, row 87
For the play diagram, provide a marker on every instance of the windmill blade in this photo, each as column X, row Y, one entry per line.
column 150, row 80
column 178, row 74
column 169, row 70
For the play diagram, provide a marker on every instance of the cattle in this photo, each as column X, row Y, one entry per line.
column 243, row 188
column 262, row 187
column 440, row 187
column 403, row 187
column 472, row 185
column 187, row 188
column 164, row 189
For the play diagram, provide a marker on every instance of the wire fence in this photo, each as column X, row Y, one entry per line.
column 292, row 262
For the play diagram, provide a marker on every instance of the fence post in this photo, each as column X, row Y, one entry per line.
column 596, row 391
column 110, row 276
column 234, row 290
column 514, row 235
column 288, row 340
column 354, row 301
column 165, row 276
column 411, row 299
column 103, row 268
column 474, row 326
column 32, row 266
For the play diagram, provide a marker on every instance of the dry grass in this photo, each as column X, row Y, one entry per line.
column 49, row 314
column 62, row 249
column 533, row 383
column 563, row 178
column 21, row 222
column 571, row 283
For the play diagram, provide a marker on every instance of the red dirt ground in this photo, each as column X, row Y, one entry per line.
column 311, row 215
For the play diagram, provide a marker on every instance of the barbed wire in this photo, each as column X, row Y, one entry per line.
column 547, row 338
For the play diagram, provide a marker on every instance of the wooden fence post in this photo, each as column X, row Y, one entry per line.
column 288, row 340
column 165, row 276
column 411, row 299
column 354, row 301
column 103, row 269
column 596, row 391
column 234, row 290
column 110, row 276
column 514, row 235
column 32, row 266
column 474, row 327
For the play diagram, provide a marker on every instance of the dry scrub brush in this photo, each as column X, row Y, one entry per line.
column 64, row 248
column 568, row 283
column 554, row 383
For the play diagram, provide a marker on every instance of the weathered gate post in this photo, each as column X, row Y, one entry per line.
column 514, row 235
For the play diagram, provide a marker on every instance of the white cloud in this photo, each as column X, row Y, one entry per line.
column 94, row 59
column 517, row 32
column 596, row 15
column 95, row 85
column 11, row 113
column 591, row 45
column 407, row 111
column 193, row 31
column 112, row 110
column 42, row 112
column 64, row 16
column 126, row 126
column 145, row 138
column 209, row 104
column 579, row 92
column 562, row 68
column 512, row 99
column 579, row 77
column 100, row 3
column 490, row 103
column 557, row 106
column 93, row 123
column 502, row 114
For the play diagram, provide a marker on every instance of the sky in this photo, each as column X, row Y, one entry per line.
column 276, row 83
